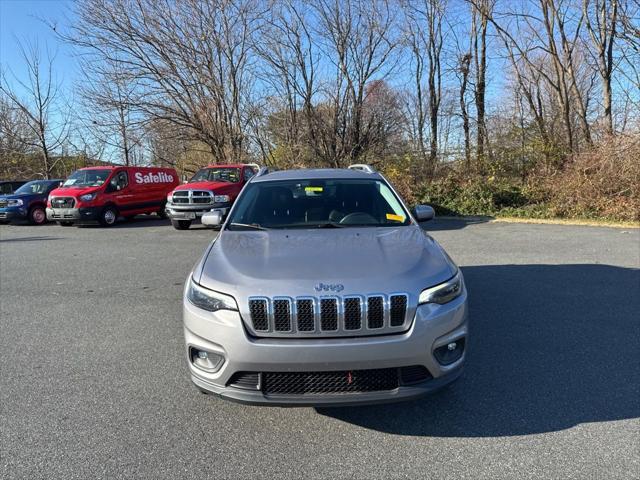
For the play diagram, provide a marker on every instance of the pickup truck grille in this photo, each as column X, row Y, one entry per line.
column 192, row 197
column 333, row 316
column 63, row 202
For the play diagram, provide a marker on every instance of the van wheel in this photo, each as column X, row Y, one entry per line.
column 65, row 224
column 108, row 216
column 37, row 216
column 181, row 224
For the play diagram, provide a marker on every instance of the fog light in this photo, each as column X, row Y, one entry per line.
column 449, row 353
column 209, row 362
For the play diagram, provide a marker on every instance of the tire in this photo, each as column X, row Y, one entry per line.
column 65, row 224
column 162, row 213
column 37, row 215
column 108, row 216
column 181, row 224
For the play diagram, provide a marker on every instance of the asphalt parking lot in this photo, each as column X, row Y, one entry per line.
column 94, row 382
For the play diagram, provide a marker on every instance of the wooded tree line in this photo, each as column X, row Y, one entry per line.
column 422, row 86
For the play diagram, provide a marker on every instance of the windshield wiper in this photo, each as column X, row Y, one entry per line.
column 254, row 226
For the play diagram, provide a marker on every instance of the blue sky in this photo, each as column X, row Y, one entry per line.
column 20, row 21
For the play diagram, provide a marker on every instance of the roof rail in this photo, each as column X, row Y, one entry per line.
column 362, row 167
column 262, row 171
column 254, row 165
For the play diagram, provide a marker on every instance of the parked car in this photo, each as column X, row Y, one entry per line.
column 214, row 187
column 28, row 202
column 7, row 187
column 322, row 289
column 102, row 194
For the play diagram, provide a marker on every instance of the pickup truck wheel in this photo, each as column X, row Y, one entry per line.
column 108, row 216
column 181, row 224
column 37, row 215
column 65, row 224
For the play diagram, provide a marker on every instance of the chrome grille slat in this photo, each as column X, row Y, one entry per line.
column 192, row 197
column 330, row 316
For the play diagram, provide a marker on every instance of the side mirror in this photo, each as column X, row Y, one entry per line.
column 424, row 213
column 212, row 219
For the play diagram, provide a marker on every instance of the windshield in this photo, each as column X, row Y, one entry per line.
column 35, row 187
column 231, row 175
column 318, row 204
column 87, row 178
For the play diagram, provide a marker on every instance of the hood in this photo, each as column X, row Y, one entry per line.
column 73, row 191
column 203, row 186
column 13, row 196
column 293, row 262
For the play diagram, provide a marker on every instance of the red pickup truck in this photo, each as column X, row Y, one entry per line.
column 214, row 187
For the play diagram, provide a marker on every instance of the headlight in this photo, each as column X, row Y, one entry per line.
column 443, row 293
column 87, row 197
column 169, row 197
column 208, row 299
column 221, row 198
column 16, row 202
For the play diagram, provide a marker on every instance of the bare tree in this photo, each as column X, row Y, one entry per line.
column 38, row 99
column 191, row 61
column 425, row 38
column 601, row 18
column 480, row 15
column 358, row 38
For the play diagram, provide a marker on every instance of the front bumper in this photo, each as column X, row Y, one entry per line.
column 193, row 212
column 13, row 213
column 223, row 333
column 76, row 215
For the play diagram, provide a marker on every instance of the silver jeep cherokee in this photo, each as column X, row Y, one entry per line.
column 322, row 289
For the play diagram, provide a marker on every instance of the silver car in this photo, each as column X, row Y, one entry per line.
column 322, row 289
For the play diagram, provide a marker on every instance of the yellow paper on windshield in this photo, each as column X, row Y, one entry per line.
column 394, row 217
column 312, row 189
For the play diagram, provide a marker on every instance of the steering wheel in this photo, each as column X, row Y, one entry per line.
column 358, row 217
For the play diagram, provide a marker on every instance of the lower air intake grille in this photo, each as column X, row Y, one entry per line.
column 414, row 374
column 246, row 380
column 354, row 381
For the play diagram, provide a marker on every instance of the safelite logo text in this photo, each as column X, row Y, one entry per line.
column 160, row 177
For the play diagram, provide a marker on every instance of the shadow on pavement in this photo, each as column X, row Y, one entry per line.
column 28, row 239
column 452, row 223
column 551, row 346
column 138, row 221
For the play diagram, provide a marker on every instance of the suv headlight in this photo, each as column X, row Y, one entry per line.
column 87, row 197
column 208, row 299
column 169, row 197
column 443, row 293
column 15, row 202
column 221, row 198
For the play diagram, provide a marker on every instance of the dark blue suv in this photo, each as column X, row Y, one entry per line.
column 29, row 202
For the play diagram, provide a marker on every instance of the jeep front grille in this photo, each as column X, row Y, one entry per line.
column 192, row 197
column 329, row 316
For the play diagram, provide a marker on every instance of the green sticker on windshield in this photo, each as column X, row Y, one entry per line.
column 313, row 189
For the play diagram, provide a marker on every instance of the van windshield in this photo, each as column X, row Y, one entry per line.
column 87, row 178
column 325, row 203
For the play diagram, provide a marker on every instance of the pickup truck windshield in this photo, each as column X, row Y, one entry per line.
column 318, row 204
column 86, row 178
column 231, row 175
